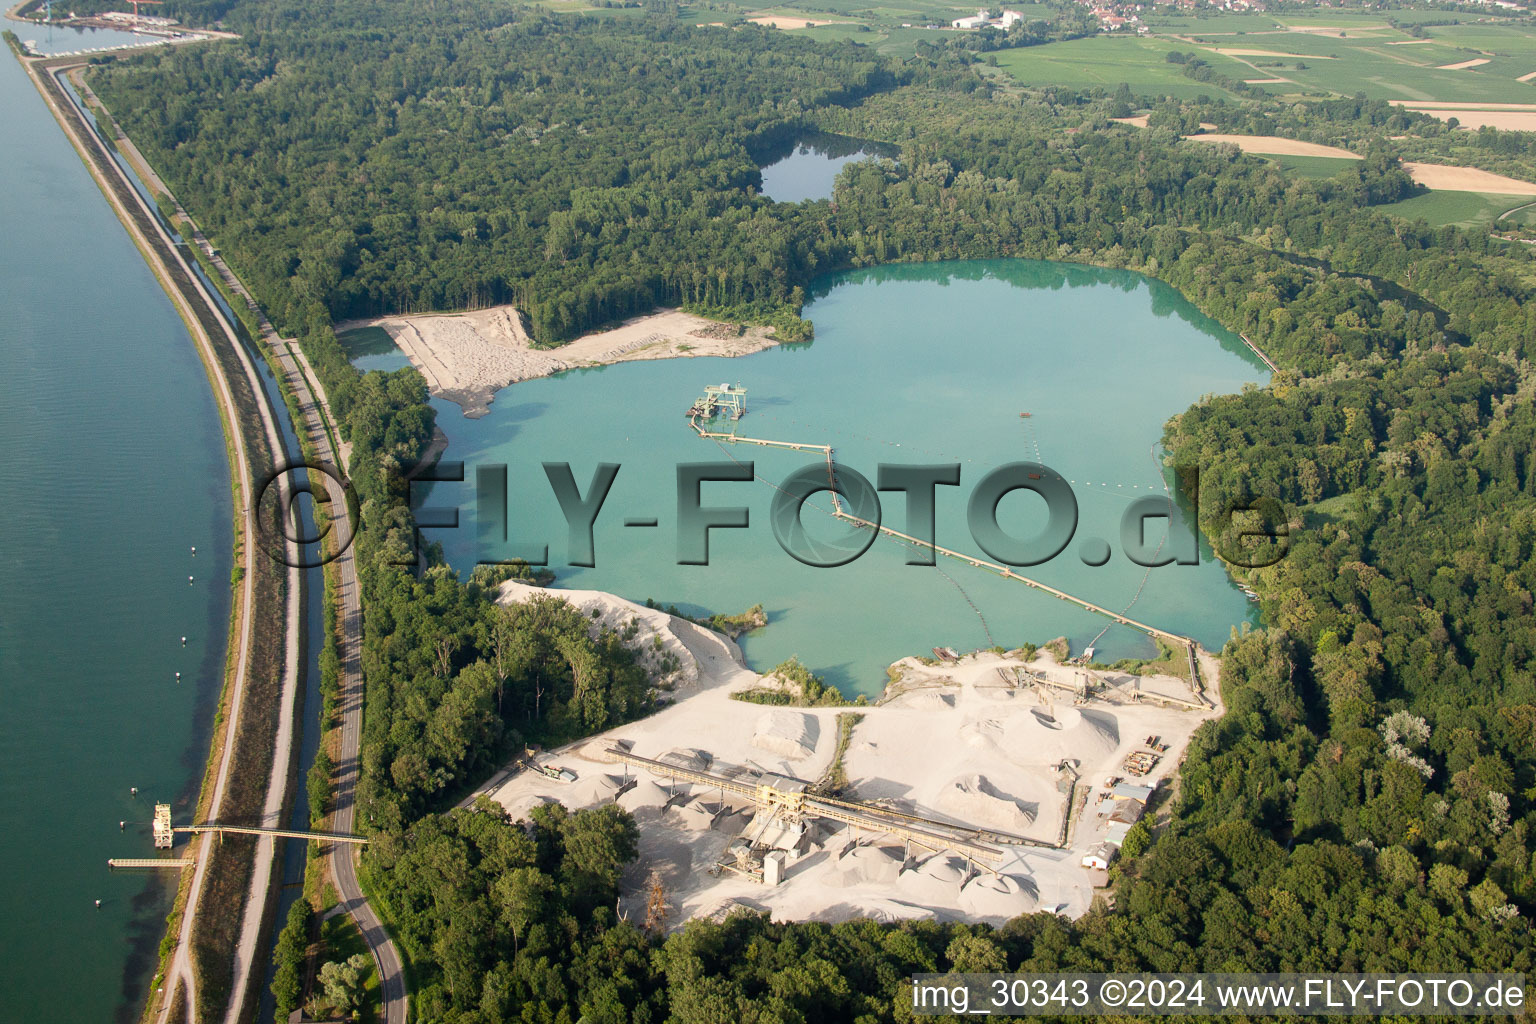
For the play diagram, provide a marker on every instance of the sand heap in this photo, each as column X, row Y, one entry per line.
column 926, row 700
column 523, row 806
column 691, row 758
column 989, row 895
column 1042, row 737
column 789, row 734
column 867, row 865
column 593, row 788
column 467, row 357
column 645, row 796
column 696, row 815
column 972, row 798
column 935, row 882
column 980, row 761
column 945, row 867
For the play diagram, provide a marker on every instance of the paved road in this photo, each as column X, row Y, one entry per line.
column 314, row 411
column 342, row 856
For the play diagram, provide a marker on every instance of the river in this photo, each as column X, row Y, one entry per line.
column 60, row 337
column 114, row 469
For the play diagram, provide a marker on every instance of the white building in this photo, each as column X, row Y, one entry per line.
column 1099, row 857
column 978, row 20
column 1011, row 18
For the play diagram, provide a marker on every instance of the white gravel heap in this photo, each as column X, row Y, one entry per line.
column 867, row 865
column 691, row 758
column 789, row 734
column 989, row 895
column 645, row 796
column 1044, row 737
column 696, row 815
column 973, row 798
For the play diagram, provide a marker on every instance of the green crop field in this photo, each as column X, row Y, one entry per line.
column 1524, row 216
column 1221, row 23
column 1456, row 209
column 1106, row 61
column 1345, row 54
column 1313, row 166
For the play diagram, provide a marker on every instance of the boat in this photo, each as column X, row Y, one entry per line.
column 946, row 654
column 1023, row 415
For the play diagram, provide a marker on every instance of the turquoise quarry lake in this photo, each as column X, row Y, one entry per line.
column 926, row 363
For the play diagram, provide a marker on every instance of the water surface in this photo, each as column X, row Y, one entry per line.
column 928, row 363
column 807, row 167
column 113, row 469
column 70, row 39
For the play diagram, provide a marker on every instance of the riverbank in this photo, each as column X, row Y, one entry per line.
column 250, row 752
column 467, row 358
column 993, row 756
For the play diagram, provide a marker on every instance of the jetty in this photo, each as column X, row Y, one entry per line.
column 162, row 863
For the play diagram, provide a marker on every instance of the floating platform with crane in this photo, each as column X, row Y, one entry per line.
column 720, row 400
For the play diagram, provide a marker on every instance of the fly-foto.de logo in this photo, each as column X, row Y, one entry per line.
column 1154, row 530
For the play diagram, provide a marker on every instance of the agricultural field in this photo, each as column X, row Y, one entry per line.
column 1345, row 54
column 894, row 28
column 1313, row 166
column 1525, row 216
column 1455, row 209
column 1105, row 61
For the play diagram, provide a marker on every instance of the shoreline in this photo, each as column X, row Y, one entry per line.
column 468, row 357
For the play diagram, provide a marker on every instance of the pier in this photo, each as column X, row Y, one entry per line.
column 1008, row 573
column 165, row 833
column 764, row 442
column 1260, row 353
column 162, row 863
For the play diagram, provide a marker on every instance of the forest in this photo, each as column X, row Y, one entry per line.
column 1366, row 801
